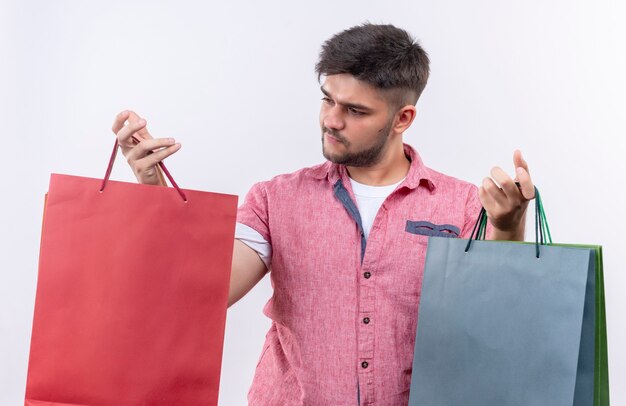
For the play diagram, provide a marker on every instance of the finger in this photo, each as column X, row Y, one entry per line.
column 119, row 121
column 132, row 116
column 494, row 193
column 526, row 184
column 507, row 184
column 485, row 199
column 488, row 202
column 125, row 135
column 143, row 132
column 519, row 161
column 523, row 175
column 153, row 159
column 146, row 147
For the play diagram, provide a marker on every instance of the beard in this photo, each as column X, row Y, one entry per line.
column 369, row 156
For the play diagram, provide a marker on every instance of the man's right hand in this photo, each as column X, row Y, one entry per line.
column 144, row 156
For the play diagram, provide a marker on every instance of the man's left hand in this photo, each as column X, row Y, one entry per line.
column 506, row 204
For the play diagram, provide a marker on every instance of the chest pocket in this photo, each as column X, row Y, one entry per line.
column 432, row 230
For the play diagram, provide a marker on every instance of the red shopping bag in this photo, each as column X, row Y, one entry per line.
column 131, row 294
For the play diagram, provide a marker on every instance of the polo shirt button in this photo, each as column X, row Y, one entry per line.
column 366, row 320
column 364, row 364
column 367, row 275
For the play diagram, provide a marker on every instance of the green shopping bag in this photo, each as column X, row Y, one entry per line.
column 600, row 351
column 507, row 323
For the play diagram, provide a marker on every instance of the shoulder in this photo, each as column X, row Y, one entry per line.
column 310, row 176
column 438, row 183
column 283, row 193
column 450, row 193
column 449, row 184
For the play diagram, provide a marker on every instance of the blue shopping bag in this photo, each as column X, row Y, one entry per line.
column 506, row 323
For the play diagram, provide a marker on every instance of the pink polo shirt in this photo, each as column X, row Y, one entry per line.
column 344, row 310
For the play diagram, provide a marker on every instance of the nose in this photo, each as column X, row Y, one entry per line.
column 332, row 117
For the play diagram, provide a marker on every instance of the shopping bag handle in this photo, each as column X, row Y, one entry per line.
column 161, row 165
column 542, row 230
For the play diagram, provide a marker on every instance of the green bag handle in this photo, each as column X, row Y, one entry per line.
column 542, row 230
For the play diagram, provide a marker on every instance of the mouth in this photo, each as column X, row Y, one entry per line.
column 332, row 138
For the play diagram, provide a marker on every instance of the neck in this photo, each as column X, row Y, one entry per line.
column 392, row 168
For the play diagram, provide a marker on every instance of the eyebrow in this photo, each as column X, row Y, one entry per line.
column 348, row 105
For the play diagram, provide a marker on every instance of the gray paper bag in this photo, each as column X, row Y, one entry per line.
column 500, row 324
column 497, row 326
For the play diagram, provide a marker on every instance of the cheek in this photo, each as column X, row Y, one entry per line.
column 368, row 129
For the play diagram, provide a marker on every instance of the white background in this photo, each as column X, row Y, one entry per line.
column 234, row 83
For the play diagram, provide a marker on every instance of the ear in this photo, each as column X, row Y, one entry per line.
column 403, row 119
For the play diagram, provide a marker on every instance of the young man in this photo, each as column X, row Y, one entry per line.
column 345, row 240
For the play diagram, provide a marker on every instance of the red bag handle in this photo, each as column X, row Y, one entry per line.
column 161, row 165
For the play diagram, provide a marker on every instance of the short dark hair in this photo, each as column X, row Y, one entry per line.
column 384, row 56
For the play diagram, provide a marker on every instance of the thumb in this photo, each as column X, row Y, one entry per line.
column 526, row 184
column 519, row 161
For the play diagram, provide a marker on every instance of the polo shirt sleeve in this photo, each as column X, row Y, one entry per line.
column 254, row 211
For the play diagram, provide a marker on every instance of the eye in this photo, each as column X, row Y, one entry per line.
column 327, row 100
column 355, row 112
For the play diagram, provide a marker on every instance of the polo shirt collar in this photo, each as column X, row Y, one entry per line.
column 418, row 173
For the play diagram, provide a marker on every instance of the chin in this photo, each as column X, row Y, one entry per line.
column 329, row 151
column 329, row 156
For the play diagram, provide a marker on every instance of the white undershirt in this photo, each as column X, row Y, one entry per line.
column 368, row 200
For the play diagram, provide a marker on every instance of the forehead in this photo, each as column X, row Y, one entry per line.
column 345, row 88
